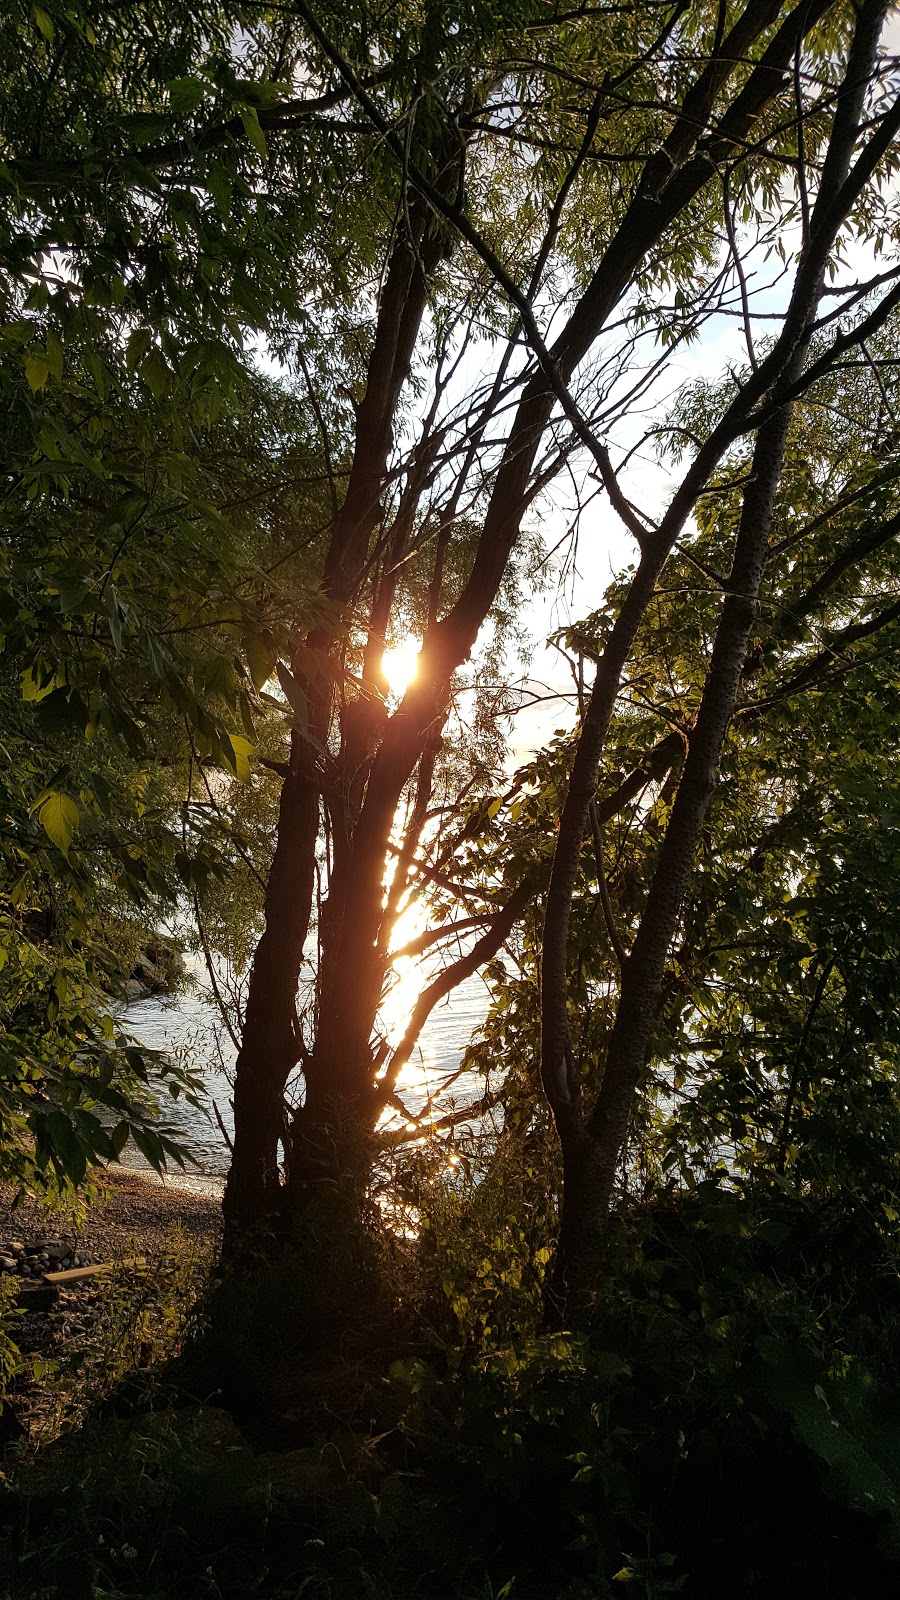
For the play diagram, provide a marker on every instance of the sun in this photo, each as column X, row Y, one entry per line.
column 399, row 665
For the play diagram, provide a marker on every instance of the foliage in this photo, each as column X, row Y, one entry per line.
column 382, row 1404
column 148, row 569
column 146, row 1313
column 731, row 1408
column 10, row 1355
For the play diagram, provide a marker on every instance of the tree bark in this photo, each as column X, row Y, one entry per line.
column 270, row 1049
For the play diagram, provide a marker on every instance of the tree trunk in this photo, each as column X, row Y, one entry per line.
column 268, row 1051
column 270, row 1048
column 592, row 1150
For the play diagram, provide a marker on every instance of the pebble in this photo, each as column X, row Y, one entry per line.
column 40, row 1256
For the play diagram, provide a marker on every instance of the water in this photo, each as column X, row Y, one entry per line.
column 190, row 1025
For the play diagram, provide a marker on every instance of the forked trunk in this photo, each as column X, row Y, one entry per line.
column 329, row 1136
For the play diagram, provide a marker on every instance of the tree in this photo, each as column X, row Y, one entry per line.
column 773, row 1052
column 141, row 581
column 729, row 109
column 592, row 1143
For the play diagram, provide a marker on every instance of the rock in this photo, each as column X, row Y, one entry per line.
column 16, row 1248
column 36, row 1296
column 8, row 1263
column 57, row 1251
column 158, row 969
column 149, row 975
column 164, row 956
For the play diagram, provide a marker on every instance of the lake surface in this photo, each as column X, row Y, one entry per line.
column 189, row 1024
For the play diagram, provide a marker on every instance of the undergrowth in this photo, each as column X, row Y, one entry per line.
column 727, row 1425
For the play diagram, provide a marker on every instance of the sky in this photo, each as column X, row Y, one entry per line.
column 604, row 546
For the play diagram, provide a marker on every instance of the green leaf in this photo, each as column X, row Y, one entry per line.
column 253, row 131
column 242, row 750
column 102, row 793
column 219, row 180
column 59, row 817
column 146, row 126
column 155, row 373
column 55, row 356
column 119, row 1137
column 116, row 616
column 136, row 347
column 20, row 331
column 185, row 94
column 292, row 691
column 37, row 369
column 840, row 1421
column 44, row 23
column 261, row 657
column 32, row 689
column 72, row 592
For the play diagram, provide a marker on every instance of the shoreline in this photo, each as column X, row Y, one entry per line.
column 137, row 1220
column 135, row 1212
column 210, row 1183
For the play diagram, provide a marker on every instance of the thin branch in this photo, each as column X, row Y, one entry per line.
column 323, row 431
column 213, row 980
column 794, row 1081
column 483, row 950
column 222, row 1128
column 739, row 269
column 619, row 951
column 452, row 1119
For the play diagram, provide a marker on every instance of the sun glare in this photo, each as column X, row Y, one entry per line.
column 399, row 665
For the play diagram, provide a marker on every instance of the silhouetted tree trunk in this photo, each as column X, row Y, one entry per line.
column 592, row 1141
column 270, row 1048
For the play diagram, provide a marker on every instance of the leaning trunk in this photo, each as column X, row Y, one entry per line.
column 592, row 1158
column 268, row 1051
